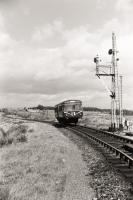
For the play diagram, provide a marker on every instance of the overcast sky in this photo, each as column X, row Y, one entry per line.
column 47, row 49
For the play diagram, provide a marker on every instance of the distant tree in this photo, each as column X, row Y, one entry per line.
column 5, row 110
column 25, row 109
column 40, row 107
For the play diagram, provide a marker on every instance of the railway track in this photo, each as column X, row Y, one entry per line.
column 111, row 146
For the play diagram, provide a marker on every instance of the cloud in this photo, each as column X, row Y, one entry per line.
column 47, row 31
column 124, row 6
column 57, row 61
column 50, row 71
column 5, row 40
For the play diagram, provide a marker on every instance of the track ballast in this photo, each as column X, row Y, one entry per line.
column 112, row 147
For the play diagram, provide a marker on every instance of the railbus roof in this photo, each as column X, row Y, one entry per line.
column 68, row 101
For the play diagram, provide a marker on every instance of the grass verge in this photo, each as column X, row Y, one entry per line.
column 15, row 134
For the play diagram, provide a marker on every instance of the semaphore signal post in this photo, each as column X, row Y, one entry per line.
column 116, row 85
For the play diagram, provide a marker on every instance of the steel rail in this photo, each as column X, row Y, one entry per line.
column 124, row 139
column 122, row 155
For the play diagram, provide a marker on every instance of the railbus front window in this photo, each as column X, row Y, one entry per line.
column 72, row 107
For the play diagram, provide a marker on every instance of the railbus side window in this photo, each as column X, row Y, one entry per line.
column 78, row 107
column 60, row 108
column 73, row 107
column 55, row 110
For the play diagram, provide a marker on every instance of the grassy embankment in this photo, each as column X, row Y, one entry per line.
column 13, row 135
column 34, row 168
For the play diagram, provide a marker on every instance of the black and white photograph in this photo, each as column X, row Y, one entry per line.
column 66, row 100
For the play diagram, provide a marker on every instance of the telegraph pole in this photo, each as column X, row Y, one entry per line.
column 121, row 104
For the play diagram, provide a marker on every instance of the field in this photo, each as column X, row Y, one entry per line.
column 103, row 120
column 38, row 161
column 96, row 119
column 39, row 165
column 32, row 114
